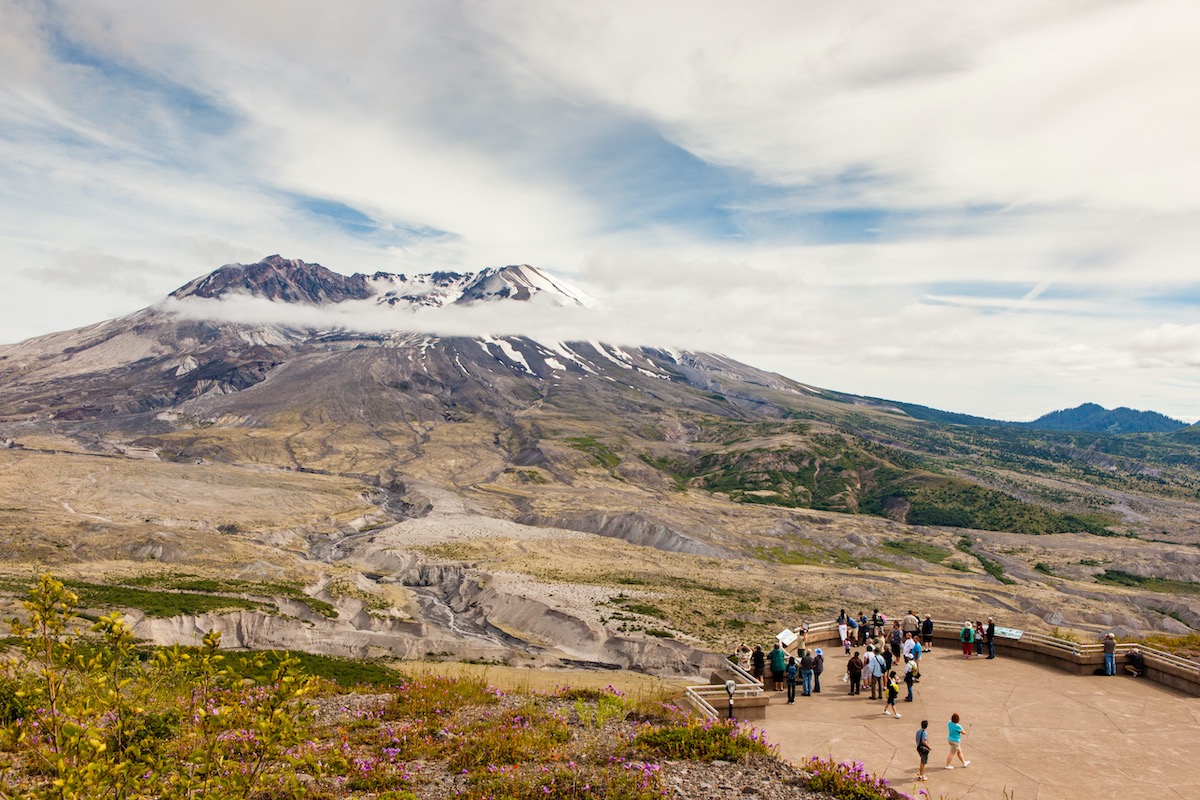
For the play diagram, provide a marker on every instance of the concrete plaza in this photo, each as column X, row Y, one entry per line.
column 1033, row 732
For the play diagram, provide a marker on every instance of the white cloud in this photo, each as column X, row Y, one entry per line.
column 1027, row 170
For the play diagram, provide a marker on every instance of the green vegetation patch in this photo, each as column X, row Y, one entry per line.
column 922, row 550
column 600, row 452
column 993, row 568
column 711, row 740
column 159, row 604
column 1116, row 577
column 186, row 582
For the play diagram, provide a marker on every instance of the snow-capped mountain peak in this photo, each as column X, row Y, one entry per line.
column 291, row 281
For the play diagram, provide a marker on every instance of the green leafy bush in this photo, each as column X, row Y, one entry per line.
column 710, row 740
column 846, row 781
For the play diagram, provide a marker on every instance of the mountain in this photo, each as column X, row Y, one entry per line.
column 501, row 494
column 289, row 281
column 1097, row 419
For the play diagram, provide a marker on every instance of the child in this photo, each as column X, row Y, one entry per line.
column 893, row 691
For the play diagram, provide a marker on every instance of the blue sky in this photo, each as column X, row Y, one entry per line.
column 990, row 208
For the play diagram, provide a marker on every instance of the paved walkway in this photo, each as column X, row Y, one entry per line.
column 1034, row 732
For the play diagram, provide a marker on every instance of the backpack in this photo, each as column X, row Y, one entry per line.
column 965, row 634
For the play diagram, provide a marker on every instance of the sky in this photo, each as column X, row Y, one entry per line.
column 990, row 208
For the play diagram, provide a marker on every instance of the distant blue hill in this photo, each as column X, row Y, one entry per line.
column 1089, row 418
column 1097, row 419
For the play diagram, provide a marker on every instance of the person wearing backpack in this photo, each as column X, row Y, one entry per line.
column 792, row 672
column 967, row 637
column 893, row 691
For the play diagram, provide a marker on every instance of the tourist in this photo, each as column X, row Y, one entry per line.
column 954, row 737
column 967, row 637
column 758, row 661
column 863, row 628
column 851, row 633
column 911, row 624
column 923, row 749
column 990, row 635
column 917, row 651
column 743, row 656
column 909, row 677
column 978, row 638
column 818, row 668
column 896, row 640
column 791, row 672
column 1110, row 654
column 877, row 621
column 876, row 666
column 893, row 691
column 806, row 673
column 1135, row 663
column 778, row 666
column 909, row 643
column 854, row 669
column 843, row 628
column 927, row 633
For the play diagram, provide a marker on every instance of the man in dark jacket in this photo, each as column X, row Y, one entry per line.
column 818, row 668
column 806, row 673
column 758, row 663
column 927, row 634
column 990, row 635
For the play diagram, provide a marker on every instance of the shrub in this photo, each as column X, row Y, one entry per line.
column 101, row 722
column 847, row 781
column 710, row 740
column 622, row 779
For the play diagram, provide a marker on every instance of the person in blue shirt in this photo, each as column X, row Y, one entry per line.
column 923, row 749
column 793, row 672
column 954, row 737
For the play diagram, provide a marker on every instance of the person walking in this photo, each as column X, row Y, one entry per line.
column 923, row 749
column 967, row 637
column 893, row 691
column 758, row 662
column 954, row 736
column 792, row 673
column 778, row 666
column 806, row 674
column 990, row 635
column 854, row 668
column 927, row 633
column 818, row 668
column 1110, row 654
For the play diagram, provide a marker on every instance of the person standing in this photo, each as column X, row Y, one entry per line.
column 923, row 749
column 927, row 633
column 877, row 666
column 990, row 634
column 791, row 672
column 806, row 674
column 851, row 633
column 893, row 691
column 758, row 662
column 778, row 666
column 854, row 668
column 896, row 640
column 818, row 668
column 978, row 637
column 843, row 629
column 911, row 624
column 1110, row 654
column 967, row 637
column 910, row 676
column 743, row 656
column 954, row 737
column 864, row 628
